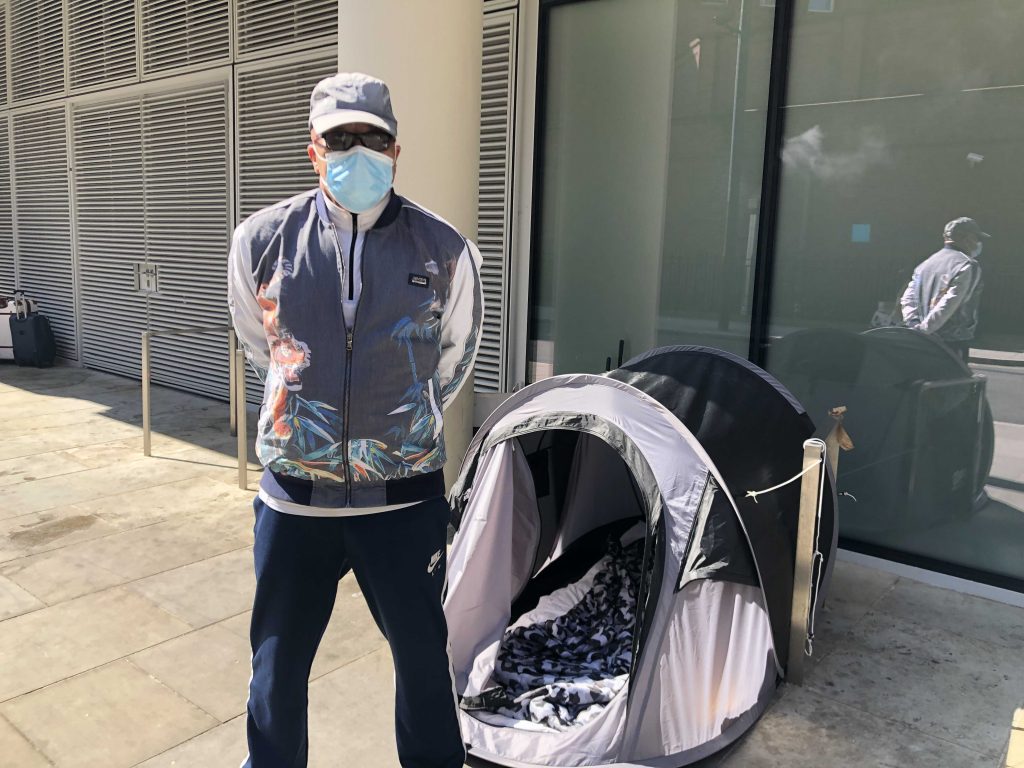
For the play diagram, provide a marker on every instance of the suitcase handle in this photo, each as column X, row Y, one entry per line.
column 21, row 305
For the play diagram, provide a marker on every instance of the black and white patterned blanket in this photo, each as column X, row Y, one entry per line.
column 562, row 672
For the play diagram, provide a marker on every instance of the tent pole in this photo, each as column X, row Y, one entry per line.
column 810, row 504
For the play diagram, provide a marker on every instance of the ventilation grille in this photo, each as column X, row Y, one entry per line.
column 3, row 54
column 111, row 234
column 43, row 218
column 102, row 41
column 185, row 170
column 270, row 23
column 497, row 5
column 273, row 118
column 179, row 34
column 497, row 115
column 6, row 213
column 37, row 53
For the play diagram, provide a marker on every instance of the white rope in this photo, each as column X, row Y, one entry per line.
column 754, row 494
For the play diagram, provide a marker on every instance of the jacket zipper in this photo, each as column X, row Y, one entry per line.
column 351, row 259
column 349, row 337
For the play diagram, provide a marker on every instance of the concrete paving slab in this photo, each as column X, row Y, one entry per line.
column 125, row 410
column 31, row 445
column 224, row 745
column 152, row 549
column 853, row 592
column 43, row 531
column 977, row 617
column 238, row 625
column 57, row 576
column 90, row 484
column 27, row 468
column 104, row 454
column 14, row 600
column 210, row 667
column 168, row 501
column 113, row 717
column 48, row 645
column 63, row 374
column 17, row 751
column 66, row 397
column 806, row 730
column 933, row 680
column 343, row 731
column 204, row 592
column 351, row 634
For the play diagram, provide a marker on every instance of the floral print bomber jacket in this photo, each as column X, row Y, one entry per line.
column 353, row 416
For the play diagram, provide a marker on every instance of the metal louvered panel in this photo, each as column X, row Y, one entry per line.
column 491, row 6
column 178, row 34
column 494, row 215
column 4, row 21
column 265, row 24
column 272, row 133
column 6, row 212
column 273, row 119
column 37, row 50
column 43, row 219
column 102, row 44
column 185, row 172
column 110, row 234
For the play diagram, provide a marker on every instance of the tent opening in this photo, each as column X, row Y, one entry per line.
column 578, row 581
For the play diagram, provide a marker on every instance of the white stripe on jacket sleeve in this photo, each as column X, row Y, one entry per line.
column 460, row 324
column 246, row 314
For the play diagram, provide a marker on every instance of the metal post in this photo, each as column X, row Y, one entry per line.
column 232, row 372
column 145, row 395
column 810, row 502
column 243, row 441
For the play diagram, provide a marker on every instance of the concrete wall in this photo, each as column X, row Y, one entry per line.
column 429, row 55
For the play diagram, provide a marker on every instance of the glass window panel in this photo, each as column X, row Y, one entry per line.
column 900, row 118
column 652, row 145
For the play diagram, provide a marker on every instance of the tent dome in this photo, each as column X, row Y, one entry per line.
column 610, row 598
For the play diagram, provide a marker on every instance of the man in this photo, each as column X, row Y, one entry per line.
column 943, row 295
column 363, row 309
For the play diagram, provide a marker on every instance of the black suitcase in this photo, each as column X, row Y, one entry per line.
column 33, row 340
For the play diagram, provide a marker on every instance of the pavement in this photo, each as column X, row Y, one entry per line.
column 125, row 586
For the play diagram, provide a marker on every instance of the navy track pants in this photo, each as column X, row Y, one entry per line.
column 399, row 561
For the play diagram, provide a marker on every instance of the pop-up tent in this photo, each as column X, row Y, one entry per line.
column 614, row 597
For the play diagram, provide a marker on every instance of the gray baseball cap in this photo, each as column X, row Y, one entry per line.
column 957, row 228
column 351, row 97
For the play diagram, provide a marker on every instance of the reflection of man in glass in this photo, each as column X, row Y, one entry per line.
column 944, row 293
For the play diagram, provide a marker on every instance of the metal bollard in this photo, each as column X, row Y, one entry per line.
column 810, row 503
column 146, row 437
column 241, row 426
column 232, row 389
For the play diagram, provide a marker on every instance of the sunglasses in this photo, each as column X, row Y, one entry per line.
column 342, row 141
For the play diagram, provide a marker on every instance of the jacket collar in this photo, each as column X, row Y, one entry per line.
column 387, row 215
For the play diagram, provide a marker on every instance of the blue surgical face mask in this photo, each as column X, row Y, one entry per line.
column 359, row 178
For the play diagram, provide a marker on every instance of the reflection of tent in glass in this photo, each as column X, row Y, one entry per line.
column 919, row 416
column 608, row 514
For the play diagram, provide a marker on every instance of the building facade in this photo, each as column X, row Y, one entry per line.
column 761, row 176
column 134, row 135
column 764, row 177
